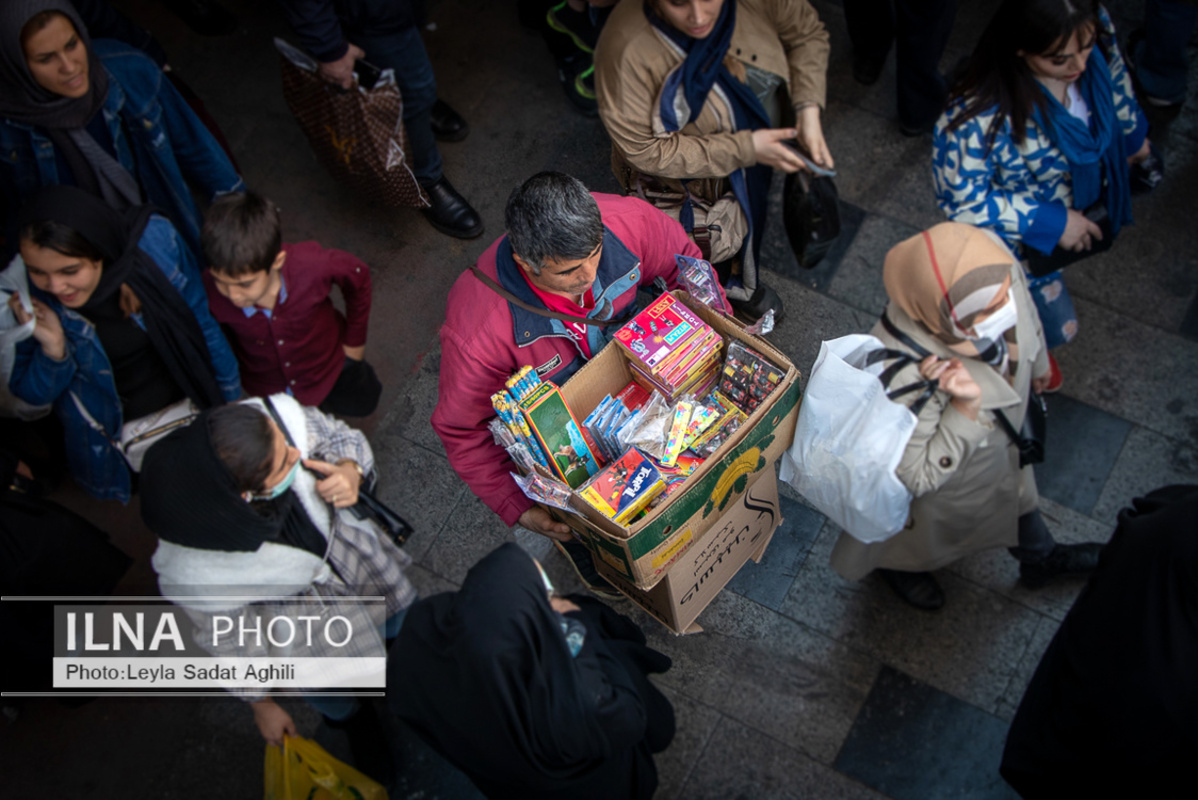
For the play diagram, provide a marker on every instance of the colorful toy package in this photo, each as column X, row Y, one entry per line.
column 573, row 455
column 748, row 377
column 624, row 487
column 700, row 280
column 661, row 330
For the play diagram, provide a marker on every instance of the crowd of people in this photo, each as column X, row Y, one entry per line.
column 191, row 355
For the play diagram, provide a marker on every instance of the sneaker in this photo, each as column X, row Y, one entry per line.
column 577, row 74
column 574, row 24
column 580, row 558
column 1055, row 379
column 1065, row 559
column 917, row 589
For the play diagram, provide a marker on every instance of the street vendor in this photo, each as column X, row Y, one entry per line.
column 567, row 253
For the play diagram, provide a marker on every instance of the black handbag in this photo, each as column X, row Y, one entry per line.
column 811, row 216
column 368, row 507
column 1039, row 264
column 1030, row 438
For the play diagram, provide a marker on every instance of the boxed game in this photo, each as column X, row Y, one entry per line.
column 572, row 454
column 624, row 487
column 659, row 333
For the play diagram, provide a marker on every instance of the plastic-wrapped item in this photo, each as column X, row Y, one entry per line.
column 546, row 491
column 764, row 325
column 748, row 377
column 700, row 280
column 677, row 434
column 648, row 428
column 729, row 425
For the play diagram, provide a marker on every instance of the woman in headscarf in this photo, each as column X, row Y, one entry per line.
column 123, row 341
column 1040, row 128
column 255, row 498
column 533, row 696
column 959, row 304
column 701, row 99
column 1111, row 710
column 100, row 115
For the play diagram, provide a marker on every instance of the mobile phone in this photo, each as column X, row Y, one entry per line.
column 815, row 168
column 368, row 74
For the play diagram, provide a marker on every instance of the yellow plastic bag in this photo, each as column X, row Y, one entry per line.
column 302, row 770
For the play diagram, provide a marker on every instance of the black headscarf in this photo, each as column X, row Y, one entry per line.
column 189, row 498
column 170, row 322
column 1112, row 710
column 486, row 677
column 64, row 119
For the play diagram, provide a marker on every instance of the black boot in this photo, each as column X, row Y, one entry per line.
column 447, row 124
column 918, row 589
column 1065, row 559
column 450, row 213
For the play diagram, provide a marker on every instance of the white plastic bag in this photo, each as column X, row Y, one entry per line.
column 848, row 442
column 12, row 281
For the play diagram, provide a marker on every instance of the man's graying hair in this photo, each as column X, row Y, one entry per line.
column 552, row 216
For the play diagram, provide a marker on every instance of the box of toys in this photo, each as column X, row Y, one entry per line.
column 736, row 453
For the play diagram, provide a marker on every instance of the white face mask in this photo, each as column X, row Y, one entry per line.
column 994, row 326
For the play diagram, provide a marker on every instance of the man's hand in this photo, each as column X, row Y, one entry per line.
column 340, row 484
column 341, row 71
column 537, row 520
column 273, row 722
column 1041, row 383
column 48, row 328
column 355, row 353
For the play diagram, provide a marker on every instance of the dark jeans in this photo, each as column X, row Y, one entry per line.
column 404, row 52
column 1161, row 63
column 920, row 29
column 1035, row 540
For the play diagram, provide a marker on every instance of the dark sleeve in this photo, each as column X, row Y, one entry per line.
column 105, row 22
column 315, row 23
column 610, row 691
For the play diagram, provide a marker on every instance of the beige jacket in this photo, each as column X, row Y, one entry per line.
column 969, row 490
column 632, row 60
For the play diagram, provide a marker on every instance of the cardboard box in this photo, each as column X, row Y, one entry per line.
column 643, row 553
column 690, row 585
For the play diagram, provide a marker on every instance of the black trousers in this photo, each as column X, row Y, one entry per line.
column 919, row 29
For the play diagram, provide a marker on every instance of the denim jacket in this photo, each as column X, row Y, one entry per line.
column 1021, row 191
column 82, row 387
column 157, row 138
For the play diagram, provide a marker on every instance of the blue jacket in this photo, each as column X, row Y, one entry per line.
column 82, row 387
column 157, row 137
column 1020, row 191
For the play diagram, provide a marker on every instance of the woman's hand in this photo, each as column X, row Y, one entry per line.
column 273, row 722
column 1080, row 233
column 1141, row 154
column 561, row 605
column 811, row 136
column 340, row 484
column 956, row 381
column 48, row 328
column 768, row 144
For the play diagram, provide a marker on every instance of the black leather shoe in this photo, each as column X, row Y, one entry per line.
column 1065, row 559
column 447, row 124
column 918, row 589
column 450, row 213
column 762, row 300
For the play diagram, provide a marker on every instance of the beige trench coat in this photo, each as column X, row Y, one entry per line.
column 632, row 60
column 969, row 490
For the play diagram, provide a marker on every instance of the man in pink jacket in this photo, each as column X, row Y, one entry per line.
column 566, row 251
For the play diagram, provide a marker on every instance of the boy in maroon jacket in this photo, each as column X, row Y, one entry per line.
column 272, row 300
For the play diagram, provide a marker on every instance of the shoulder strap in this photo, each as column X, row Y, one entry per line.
column 894, row 331
column 541, row 312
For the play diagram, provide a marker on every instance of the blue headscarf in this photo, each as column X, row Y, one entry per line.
column 1096, row 151
column 682, row 98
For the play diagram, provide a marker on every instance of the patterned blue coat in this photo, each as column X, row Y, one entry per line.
column 1021, row 191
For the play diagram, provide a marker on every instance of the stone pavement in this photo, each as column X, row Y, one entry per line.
column 802, row 684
